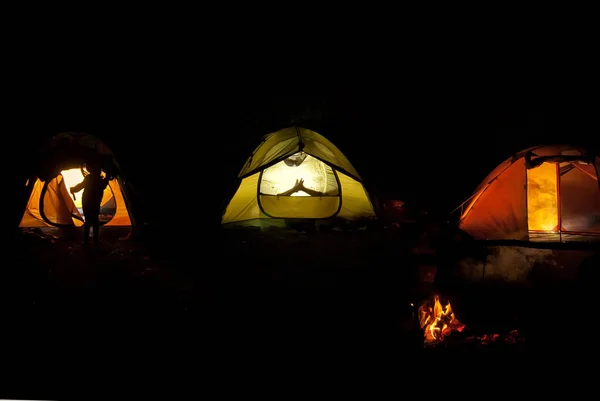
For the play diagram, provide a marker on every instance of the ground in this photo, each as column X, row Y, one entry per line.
column 289, row 291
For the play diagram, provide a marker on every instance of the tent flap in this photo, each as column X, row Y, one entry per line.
column 320, row 147
column 244, row 203
column 280, row 144
column 355, row 201
column 579, row 202
column 294, row 207
column 500, row 212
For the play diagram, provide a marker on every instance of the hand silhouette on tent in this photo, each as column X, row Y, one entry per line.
column 299, row 186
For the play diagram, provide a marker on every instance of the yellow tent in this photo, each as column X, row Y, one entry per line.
column 296, row 173
column 544, row 193
column 51, row 205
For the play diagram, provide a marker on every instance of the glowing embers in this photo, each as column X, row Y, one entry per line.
column 442, row 330
column 283, row 176
column 542, row 198
column 437, row 320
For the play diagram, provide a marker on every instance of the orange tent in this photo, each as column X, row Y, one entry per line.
column 544, row 193
column 51, row 204
column 59, row 166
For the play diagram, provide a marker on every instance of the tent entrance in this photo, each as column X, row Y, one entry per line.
column 563, row 201
column 301, row 186
column 108, row 205
column 543, row 213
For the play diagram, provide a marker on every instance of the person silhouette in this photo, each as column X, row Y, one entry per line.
column 93, row 186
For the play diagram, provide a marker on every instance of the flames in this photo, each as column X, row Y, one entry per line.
column 437, row 320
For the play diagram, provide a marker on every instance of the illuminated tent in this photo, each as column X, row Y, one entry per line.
column 61, row 165
column 544, row 193
column 331, row 186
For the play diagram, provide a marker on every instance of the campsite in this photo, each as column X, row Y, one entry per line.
column 292, row 246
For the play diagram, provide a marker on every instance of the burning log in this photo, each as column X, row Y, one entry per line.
column 437, row 321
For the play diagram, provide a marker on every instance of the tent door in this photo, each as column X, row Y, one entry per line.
column 543, row 212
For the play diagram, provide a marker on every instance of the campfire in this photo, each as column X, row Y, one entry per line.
column 437, row 320
column 440, row 326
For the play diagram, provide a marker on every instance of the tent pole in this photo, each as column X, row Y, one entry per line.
column 526, row 188
column 558, row 203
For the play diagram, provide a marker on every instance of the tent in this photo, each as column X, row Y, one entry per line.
column 60, row 165
column 330, row 187
column 544, row 193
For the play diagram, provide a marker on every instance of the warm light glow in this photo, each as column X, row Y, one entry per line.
column 542, row 198
column 280, row 177
column 73, row 177
column 437, row 320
